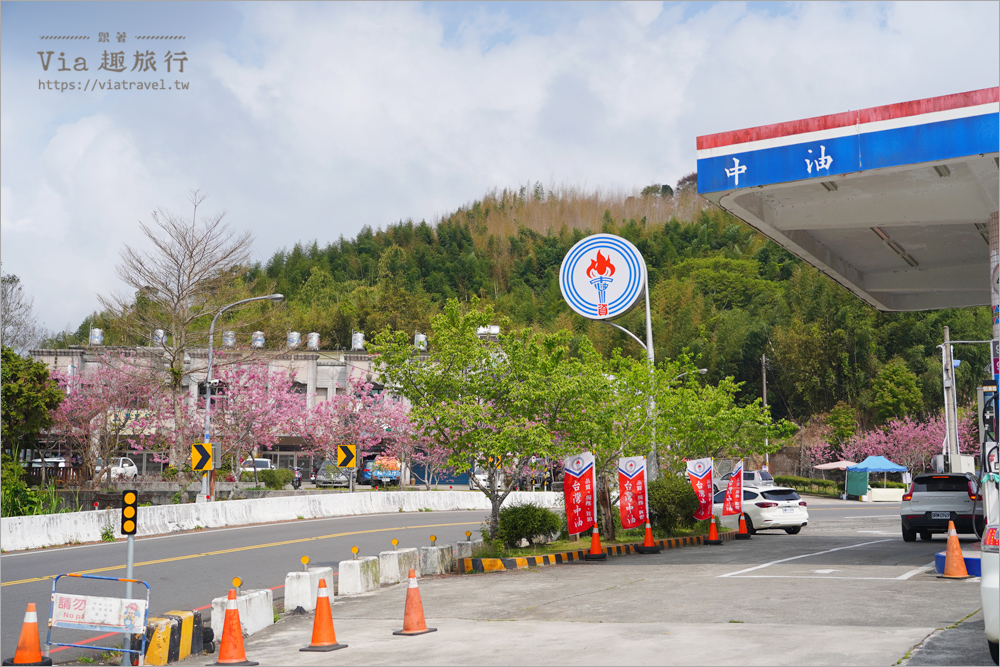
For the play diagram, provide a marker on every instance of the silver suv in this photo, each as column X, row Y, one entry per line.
column 934, row 499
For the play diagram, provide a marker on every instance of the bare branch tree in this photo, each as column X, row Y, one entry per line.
column 20, row 328
column 194, row 267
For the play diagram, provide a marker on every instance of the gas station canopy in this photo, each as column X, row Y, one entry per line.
column 892, row 202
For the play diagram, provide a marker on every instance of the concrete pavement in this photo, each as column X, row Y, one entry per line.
column 689, row 606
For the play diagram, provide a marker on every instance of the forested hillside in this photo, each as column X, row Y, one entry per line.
column 718, row 289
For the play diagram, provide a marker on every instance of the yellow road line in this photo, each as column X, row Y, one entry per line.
column 238, row 549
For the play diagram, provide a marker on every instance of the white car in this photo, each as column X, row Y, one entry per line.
column 766, row 507
column 989, row 587
column 121, row 468
column 260, row 464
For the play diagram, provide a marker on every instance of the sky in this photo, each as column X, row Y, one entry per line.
column 307, row 121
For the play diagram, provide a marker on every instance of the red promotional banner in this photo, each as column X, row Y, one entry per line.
column 700, row 473
column 733, row 503
column 580, row 489
column 632, row 493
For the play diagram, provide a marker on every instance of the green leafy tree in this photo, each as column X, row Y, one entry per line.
column 895, row 392
column 487, row 398
column 29, row 397
column 616, row 422
column 704, row 420
column 842, row 420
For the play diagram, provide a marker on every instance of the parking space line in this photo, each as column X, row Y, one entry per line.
column 916, row 571
column 785, row 560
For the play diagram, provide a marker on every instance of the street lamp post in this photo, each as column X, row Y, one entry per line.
column 208, row 481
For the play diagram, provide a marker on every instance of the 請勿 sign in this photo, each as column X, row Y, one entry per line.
column 87, row 612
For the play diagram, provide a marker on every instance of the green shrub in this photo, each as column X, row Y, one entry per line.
column 672, row 503
column 526, row 522
column 275, row 479
column 169, row 474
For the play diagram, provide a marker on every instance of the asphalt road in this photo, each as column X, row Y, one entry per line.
column 846, row 590
column 188, row 570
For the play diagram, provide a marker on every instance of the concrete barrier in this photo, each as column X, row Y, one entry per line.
column 171, row 637
column 464, row 548
column 301, row 588
column 436, row 560
column 45, row 530
column 256, row 612
column 394, row 566
column 358, row 575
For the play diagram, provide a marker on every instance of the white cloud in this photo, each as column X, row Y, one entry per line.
column 311, row 120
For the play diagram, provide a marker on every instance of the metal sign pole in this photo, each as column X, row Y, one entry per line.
column 129, row 561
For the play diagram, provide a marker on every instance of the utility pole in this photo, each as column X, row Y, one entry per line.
column 950, row 418
column 763, row 376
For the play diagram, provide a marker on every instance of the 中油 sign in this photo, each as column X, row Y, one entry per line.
column 602, row 277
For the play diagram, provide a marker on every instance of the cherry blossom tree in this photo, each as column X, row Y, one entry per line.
column 259, row 406
column 905, row 441
column 360, row 416
column 106, row 407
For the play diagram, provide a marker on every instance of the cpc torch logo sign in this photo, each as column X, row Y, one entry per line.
column 602, row 277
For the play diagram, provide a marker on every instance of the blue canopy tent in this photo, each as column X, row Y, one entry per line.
column 857, row 475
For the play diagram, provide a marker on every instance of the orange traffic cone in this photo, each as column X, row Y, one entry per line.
column 324, row 638
column 743, row 534
column 648, row 546
column 713, row 533
column 231, row 647
column 28, row 648
column 954, row 562
column 413, row 614
column 596, row 552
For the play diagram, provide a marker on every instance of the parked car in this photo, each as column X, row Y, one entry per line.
column 765, row 508
column 750, row 478
column 989, row 587
column 121, row 468
column 330, row 475
column 934, row 499
column 260, row 464
column 379, row 471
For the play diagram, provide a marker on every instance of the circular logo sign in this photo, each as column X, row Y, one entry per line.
column 602, row 277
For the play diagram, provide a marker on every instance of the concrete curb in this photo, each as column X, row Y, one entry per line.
column 256, row 612
column 301, row 588
column 32, row 532
column 470, row 565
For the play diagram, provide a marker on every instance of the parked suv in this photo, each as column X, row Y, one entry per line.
column 750, row 478
column 766, row 507
column 934, row 499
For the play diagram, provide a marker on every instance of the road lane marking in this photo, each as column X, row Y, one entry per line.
column 824, row 571
column 221, row 552
column 785, row 560
column 918, row 570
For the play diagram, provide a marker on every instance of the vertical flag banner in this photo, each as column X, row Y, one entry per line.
column 700, row 473
column 733, row 503
column 632, row 494
column 580, row 489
